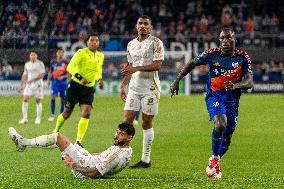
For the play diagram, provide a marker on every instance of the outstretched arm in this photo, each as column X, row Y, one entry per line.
column 247, row 83
column 187, row 69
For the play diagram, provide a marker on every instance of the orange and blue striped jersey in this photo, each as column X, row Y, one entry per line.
column 223, row 69
column 58, row 69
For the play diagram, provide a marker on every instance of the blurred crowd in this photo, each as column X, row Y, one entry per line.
column 172, row 20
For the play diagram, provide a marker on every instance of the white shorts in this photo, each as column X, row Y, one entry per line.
column 35, row 89
column 148, row 103
column 80, row 156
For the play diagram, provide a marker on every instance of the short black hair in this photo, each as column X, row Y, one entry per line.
column 59, row 49
column 128, row 128
column 93, row 34
column 227, row 29
column 145, row 17
column 33, row 51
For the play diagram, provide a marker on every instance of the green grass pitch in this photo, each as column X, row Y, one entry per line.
column 180, row 151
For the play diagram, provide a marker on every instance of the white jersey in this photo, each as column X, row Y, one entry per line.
column 33, row 69
column 108, row 162
column 112, row 160
column 141, row 54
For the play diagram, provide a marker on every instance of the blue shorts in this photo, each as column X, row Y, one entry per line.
column 59, row 89
column 215, row 106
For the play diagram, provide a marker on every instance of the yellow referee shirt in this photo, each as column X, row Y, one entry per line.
column 88, row 64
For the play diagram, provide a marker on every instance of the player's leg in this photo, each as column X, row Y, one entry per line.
column 149, row 110
column 232, row 114
column 40, row 141
column 38, row 92
column 38, row 111
column 62, row 93
column 217, row 112
column 54, row 93
column 137, row 115
column 83, row 122
column 85, row 101
column 52, row 108
column 25, row 105
column 72, row 98
column 131, row 107
column 61, row 118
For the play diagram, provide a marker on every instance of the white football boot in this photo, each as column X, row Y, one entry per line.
column 16, row 138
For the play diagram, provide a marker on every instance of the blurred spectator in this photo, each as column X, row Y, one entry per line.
column 7, row 70
column 111, row 72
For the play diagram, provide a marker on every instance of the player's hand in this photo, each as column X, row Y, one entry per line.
column 68, row 161
column 61, row 77
column 174, row 88
column 48, row 82
column 84, row 81
column 122, row 93
column 229, row 85
column 30, row 81
column 128, row 70
column 20, row 89
column 101, row 84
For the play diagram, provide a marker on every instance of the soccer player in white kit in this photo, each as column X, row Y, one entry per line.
column 83, row 164
column 34, row 71
column 145, row 55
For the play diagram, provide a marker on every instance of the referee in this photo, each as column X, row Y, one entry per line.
column 86, row 69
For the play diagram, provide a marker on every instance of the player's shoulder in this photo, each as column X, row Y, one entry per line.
column 52, row 61
column 213, row 51
column 82, row 50
column 155, row 39
column 239, row 52
column 132, row 42
column 100, row 54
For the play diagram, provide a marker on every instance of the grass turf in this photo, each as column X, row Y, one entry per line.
column 180, row 151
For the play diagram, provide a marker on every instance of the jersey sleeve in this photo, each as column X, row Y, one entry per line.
column 158, row 50
column 201, row 59
column 247, row 65
column 72, row 67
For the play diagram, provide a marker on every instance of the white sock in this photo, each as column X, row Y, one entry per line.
column 25, row 106
column 38, row 110
column 148, row 137
column 40, row 141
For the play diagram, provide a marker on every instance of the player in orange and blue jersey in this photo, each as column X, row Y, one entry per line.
column 229, row 73
column 57, row 75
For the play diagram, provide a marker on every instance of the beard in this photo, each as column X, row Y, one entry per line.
column 117, row 142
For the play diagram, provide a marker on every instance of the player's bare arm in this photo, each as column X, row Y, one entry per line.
column 155, row 66
column 38, row 77
column 49, row 77
column 123, row 85
column 86, row 171
column 23, row 80
column 247, row 83
column 187, row 69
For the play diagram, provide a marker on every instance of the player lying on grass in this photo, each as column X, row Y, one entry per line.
column 83, row 164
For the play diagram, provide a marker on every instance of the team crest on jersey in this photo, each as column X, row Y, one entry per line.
column 150, row 101
column 82, row 161
column 215, row 104
column 217, row 64
column 235, row 64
